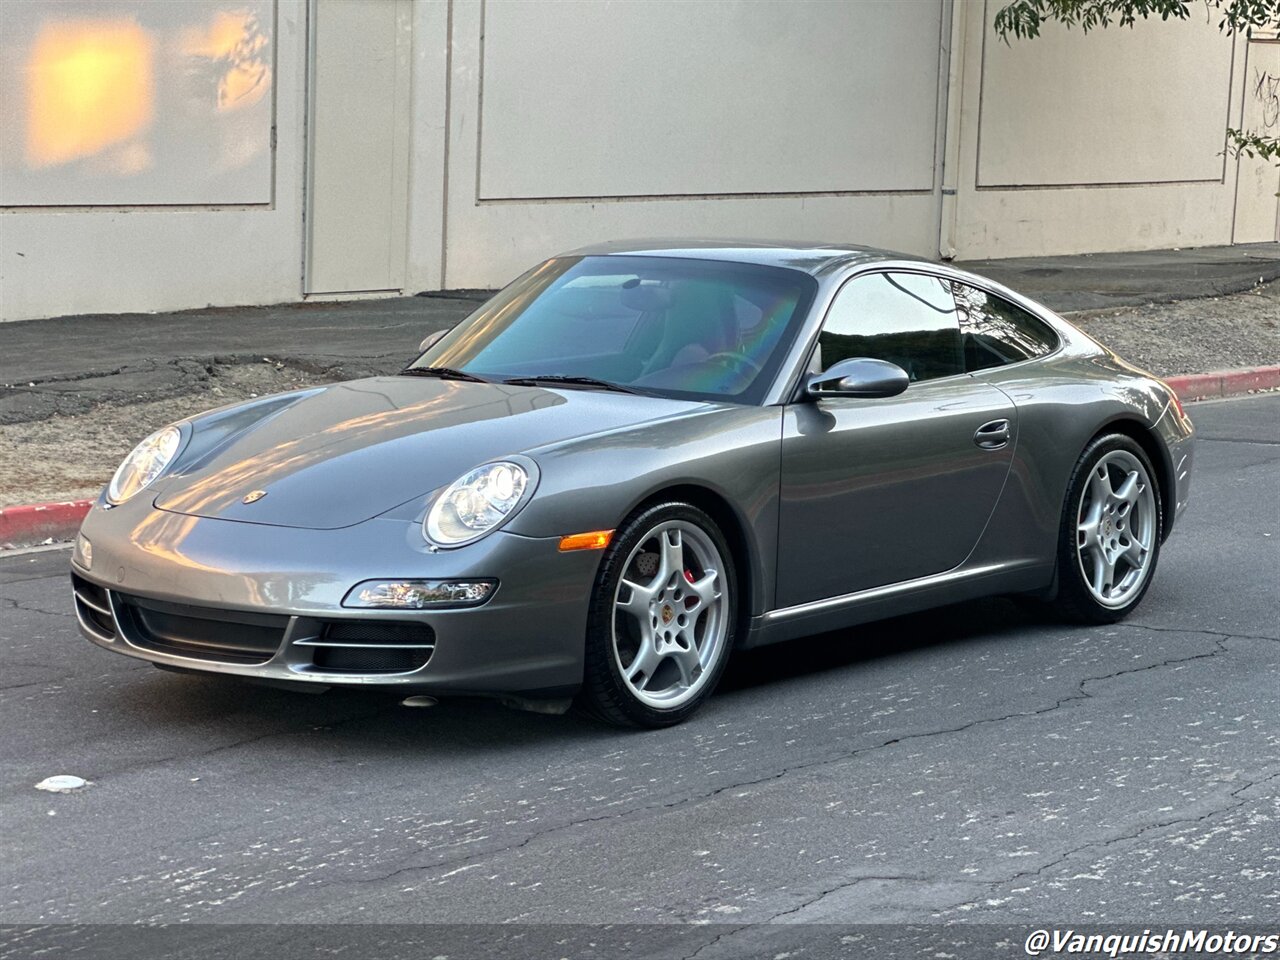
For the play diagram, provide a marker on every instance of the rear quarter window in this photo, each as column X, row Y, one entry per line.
column 995, row 332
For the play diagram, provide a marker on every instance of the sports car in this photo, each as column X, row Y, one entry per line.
column 632, row 461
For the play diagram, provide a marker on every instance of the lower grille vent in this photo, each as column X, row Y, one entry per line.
column 93, row 606
column 225, row 636
column 370, row 660
column 376, row 633
column 371, row 646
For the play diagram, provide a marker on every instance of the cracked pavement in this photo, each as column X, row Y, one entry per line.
column 981, row 764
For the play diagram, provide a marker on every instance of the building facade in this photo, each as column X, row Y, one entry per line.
column 166, row 154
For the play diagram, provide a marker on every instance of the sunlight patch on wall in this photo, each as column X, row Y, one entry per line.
column 89, row 86
column 136, row 102
column 235, row 42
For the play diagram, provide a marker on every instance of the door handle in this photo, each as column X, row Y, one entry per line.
column 993, row 435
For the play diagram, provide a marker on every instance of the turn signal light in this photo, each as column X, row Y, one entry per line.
column 83, row 553
column 592, row 540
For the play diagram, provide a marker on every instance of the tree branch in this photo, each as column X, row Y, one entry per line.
column 1022, row 19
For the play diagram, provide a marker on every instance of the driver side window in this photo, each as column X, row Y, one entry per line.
column 904, row 318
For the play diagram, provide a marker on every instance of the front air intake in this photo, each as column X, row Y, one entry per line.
column 371, row 647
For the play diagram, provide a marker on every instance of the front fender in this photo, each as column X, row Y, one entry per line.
column 731, row 452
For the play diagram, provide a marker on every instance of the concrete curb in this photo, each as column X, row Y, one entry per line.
column 25, row 526
column 1224, row 383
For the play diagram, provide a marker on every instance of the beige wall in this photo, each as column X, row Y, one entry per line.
column 643, row 99
column 1111, row 141
column 536, row 127
column 574, row 123
column 1140, row 106
column 1258, row 181
column 108, row 102
column 163, row 251
column 359, row 125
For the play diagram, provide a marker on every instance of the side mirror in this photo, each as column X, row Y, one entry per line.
column 859, row 377
column 430, row 340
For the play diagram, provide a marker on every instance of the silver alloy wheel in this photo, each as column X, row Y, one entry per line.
column 670, row 614
column 1116, row 528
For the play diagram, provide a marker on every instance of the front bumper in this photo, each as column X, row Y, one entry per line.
column 262, row 601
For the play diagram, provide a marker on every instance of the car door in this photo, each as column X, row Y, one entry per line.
column 880, row 491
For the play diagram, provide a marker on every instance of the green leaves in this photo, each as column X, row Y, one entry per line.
column 1239, row 15
column 1240, row 143
column 1022, row 19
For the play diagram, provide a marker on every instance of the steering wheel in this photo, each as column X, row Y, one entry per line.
column 735, row 359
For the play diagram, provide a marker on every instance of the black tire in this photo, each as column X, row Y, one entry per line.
column 605, row 694
column 1075, row 600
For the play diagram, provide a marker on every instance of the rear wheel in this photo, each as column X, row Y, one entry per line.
column 662, row 618
column 1111, row 532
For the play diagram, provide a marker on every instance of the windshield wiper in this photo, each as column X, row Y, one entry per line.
column 570, row 381
column 443, row 373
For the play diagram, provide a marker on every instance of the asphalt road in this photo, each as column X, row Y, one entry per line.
column 981, row 764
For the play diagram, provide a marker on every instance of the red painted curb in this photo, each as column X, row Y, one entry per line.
column 1224, row 383
column 30, row 524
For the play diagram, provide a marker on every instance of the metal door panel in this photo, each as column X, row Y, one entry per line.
column 886, row 490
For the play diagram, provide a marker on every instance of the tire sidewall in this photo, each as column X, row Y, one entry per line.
column 1074, row 595
column 604, row 689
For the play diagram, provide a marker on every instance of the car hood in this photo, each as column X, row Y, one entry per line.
column 352, row 451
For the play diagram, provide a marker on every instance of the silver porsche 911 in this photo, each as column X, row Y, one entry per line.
column 633, row 461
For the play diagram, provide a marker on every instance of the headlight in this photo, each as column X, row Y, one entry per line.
column 148, row 460
column 479, row 501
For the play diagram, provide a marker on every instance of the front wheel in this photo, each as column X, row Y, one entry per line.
column 662, row 618
column 1111, row 532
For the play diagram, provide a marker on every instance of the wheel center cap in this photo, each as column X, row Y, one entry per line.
column 667, row 613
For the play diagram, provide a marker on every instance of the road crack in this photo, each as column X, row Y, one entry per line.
column 1133, row 834
column 887, row 878
column 39, row 576
column 1080, row 695
column 717, row 938
column 19, row 605
column 1202, row 633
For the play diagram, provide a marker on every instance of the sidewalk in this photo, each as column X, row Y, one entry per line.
column 1102, row 281
column 77, row 392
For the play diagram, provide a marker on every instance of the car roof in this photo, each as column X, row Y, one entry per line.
column 812, row 258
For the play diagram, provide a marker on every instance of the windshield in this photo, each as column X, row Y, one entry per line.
column 696, row 329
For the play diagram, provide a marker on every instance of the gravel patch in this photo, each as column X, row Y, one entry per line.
column 1194, row 336
column 70, row 457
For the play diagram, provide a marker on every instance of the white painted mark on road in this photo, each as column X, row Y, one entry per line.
column 62, row 783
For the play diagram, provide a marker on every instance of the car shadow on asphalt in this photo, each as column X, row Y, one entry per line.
column 372, row 725
column 978, row 621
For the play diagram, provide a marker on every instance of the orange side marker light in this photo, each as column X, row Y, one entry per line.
column 593, row 540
